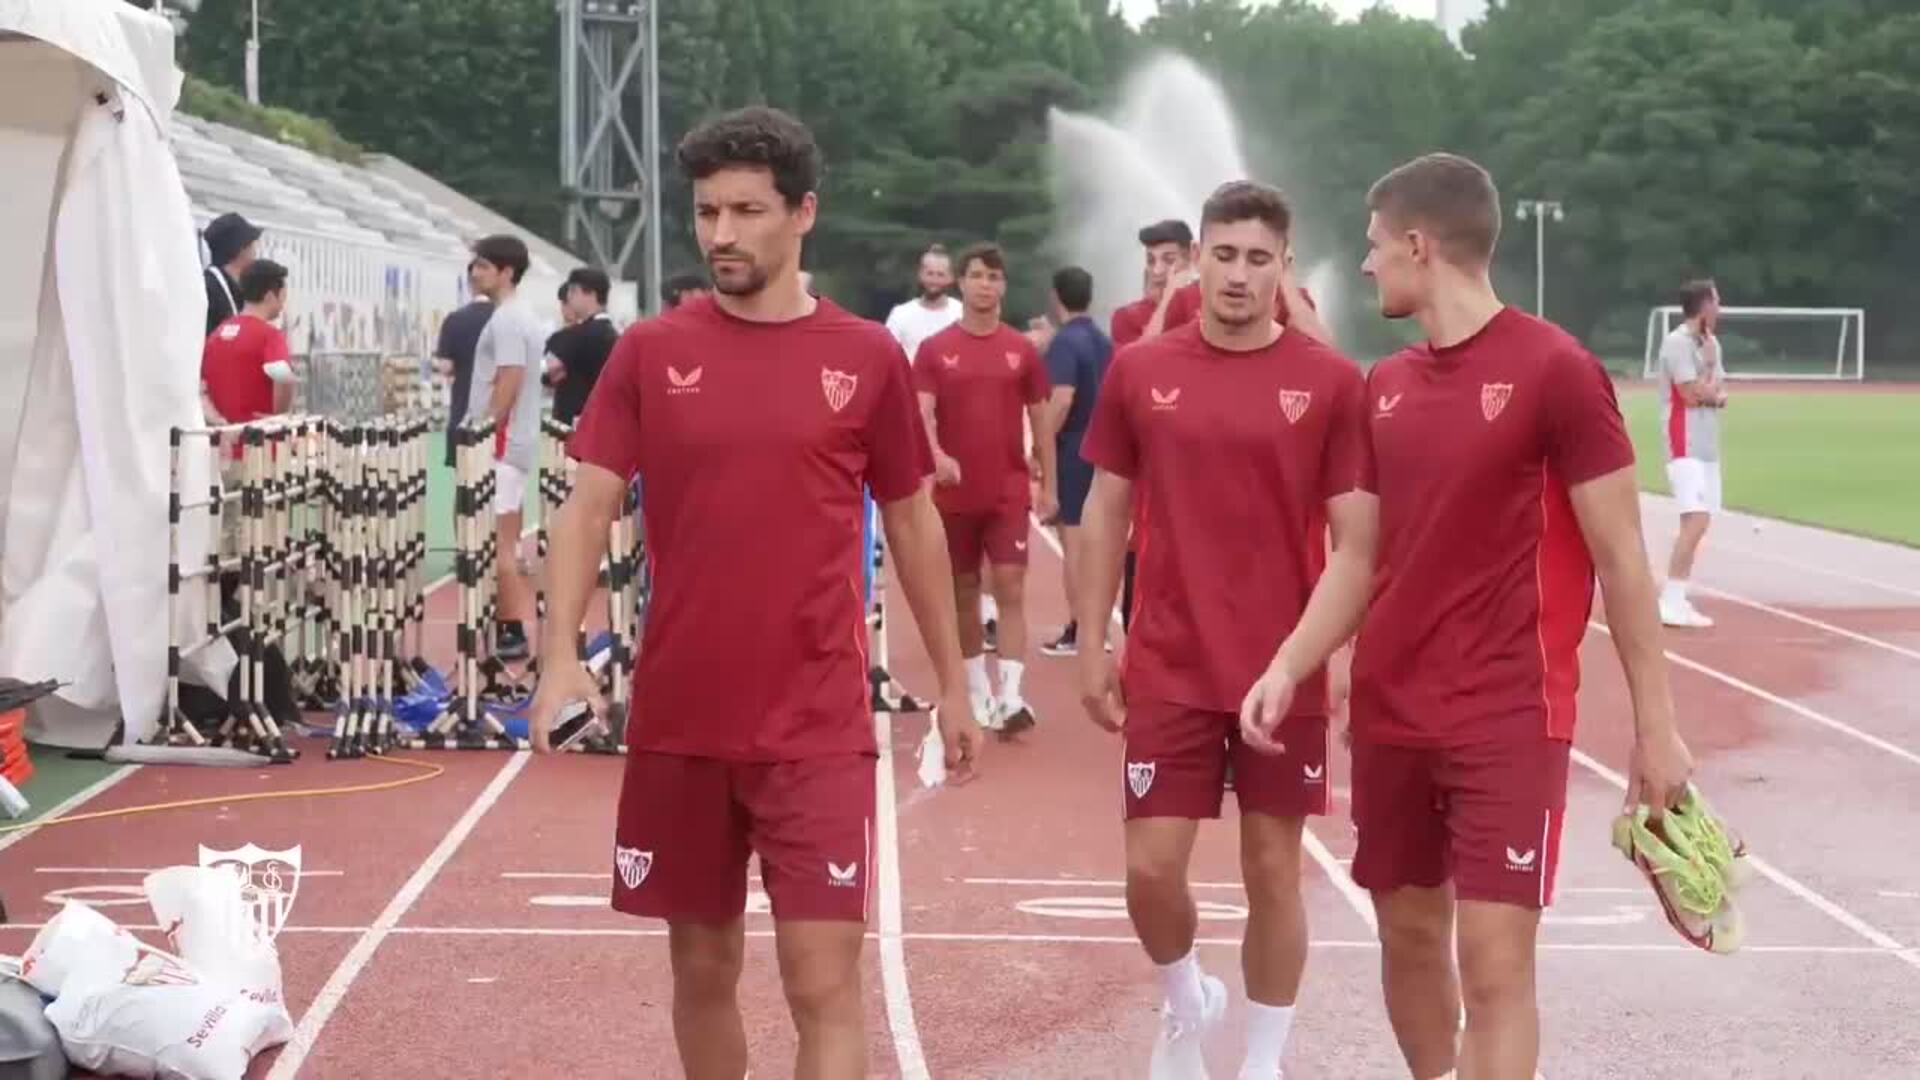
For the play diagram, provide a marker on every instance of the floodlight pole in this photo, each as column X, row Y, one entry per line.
column 1538, row 210
column 610, row 178
column 253, row 58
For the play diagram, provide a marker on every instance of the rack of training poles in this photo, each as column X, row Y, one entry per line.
column 489, row 711
column 315, row 574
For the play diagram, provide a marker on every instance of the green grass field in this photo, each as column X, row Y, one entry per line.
column 1840, row 459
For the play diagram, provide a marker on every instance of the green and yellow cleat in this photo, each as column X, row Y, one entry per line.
column 1694, row 864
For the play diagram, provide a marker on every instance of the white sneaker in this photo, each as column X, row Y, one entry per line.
column 1014, row 716
column 1178, row 1053
column 1683, row 614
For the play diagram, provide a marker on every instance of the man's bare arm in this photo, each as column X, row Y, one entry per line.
column 577, row 539
column 1339, row 601
column 927, row 403
column 506, row 390
column 1103, row 540
column 1058, row 404
column 1608, row 510
column 1038, row 414
column 918, row 543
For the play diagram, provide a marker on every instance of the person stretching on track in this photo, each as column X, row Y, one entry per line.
column 762, row 413
column 1505, row 482
column 978, row 380
column 1232, row 442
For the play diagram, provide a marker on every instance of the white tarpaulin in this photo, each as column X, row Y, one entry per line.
column 102, row 313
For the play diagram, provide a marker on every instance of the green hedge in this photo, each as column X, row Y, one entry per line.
column 225, row 106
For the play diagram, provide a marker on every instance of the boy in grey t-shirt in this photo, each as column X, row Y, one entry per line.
column 506, row 388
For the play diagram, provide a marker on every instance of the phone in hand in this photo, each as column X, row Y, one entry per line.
column 575, row 722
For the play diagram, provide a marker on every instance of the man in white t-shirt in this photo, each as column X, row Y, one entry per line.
column 1693, row 391
column 933, row 310
column 506, row 388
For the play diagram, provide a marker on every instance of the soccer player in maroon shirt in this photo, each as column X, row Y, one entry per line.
column 1168, row 249
column 757, row 416
column 1232, row 443
column 979, row 382
column 1506, row 484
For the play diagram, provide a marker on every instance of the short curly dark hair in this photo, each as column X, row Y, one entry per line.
column 758, row 135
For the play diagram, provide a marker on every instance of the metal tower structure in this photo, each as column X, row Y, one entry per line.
column 610, row 78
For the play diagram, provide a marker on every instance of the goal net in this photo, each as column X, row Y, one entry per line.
column 1775, row 342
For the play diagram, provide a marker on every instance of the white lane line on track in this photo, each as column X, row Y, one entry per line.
column 155, row 870
column 1796, row 708
column 1814, row 568
column 335, row 989
column 1091, row 883
column 70, row 804
column 893, row 955
column 1053, row 542
column 963, row 938
column 1355, row 896
column 1884, row 941
column 1806, row 620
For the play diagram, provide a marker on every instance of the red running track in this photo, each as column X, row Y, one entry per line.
column 461, row 923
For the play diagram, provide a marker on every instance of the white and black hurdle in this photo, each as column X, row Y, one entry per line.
column 376, row 584
column 315, row 557
column 888, row 696
column 609, row 655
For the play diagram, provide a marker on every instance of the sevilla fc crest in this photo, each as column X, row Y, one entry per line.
column 269, row 880
column 1293, row 404
column 1140, row 777
column 633, row 865
column 1493, row 398
column 838, row 386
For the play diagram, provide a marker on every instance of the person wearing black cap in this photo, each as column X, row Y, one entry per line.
column 230, row 248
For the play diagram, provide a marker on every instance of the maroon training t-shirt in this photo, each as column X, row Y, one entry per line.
column 754, row 442
column 1233, row 456
column 982, row 385
column 233, row 364
column 1130, row 320
column 1485, row 582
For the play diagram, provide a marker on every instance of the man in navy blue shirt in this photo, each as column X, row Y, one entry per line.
column 1077, row 360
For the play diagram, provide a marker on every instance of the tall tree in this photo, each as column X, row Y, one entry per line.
column 465, row 89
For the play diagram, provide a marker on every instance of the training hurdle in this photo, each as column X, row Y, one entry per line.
column 377, row 564
column 887, row 695
column 609, row 656
column 487, row 693
column 316, row 547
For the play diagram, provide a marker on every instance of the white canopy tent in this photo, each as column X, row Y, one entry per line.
column 102, row 313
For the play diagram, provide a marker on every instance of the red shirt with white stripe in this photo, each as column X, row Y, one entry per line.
column 755, row 441
column 1485, row 582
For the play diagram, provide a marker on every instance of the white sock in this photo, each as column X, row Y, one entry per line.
column 1010, row 672
column 1675, row 592
column 1180, row 982
column 1267, row 1028
column 988, row 609
column 977, row 683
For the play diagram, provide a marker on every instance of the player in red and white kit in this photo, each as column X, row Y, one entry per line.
column 1505, row 483
column 1231, row 443
column 980, row 383
column 757, row 416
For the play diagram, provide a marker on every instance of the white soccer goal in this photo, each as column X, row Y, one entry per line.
column 1775, row 342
